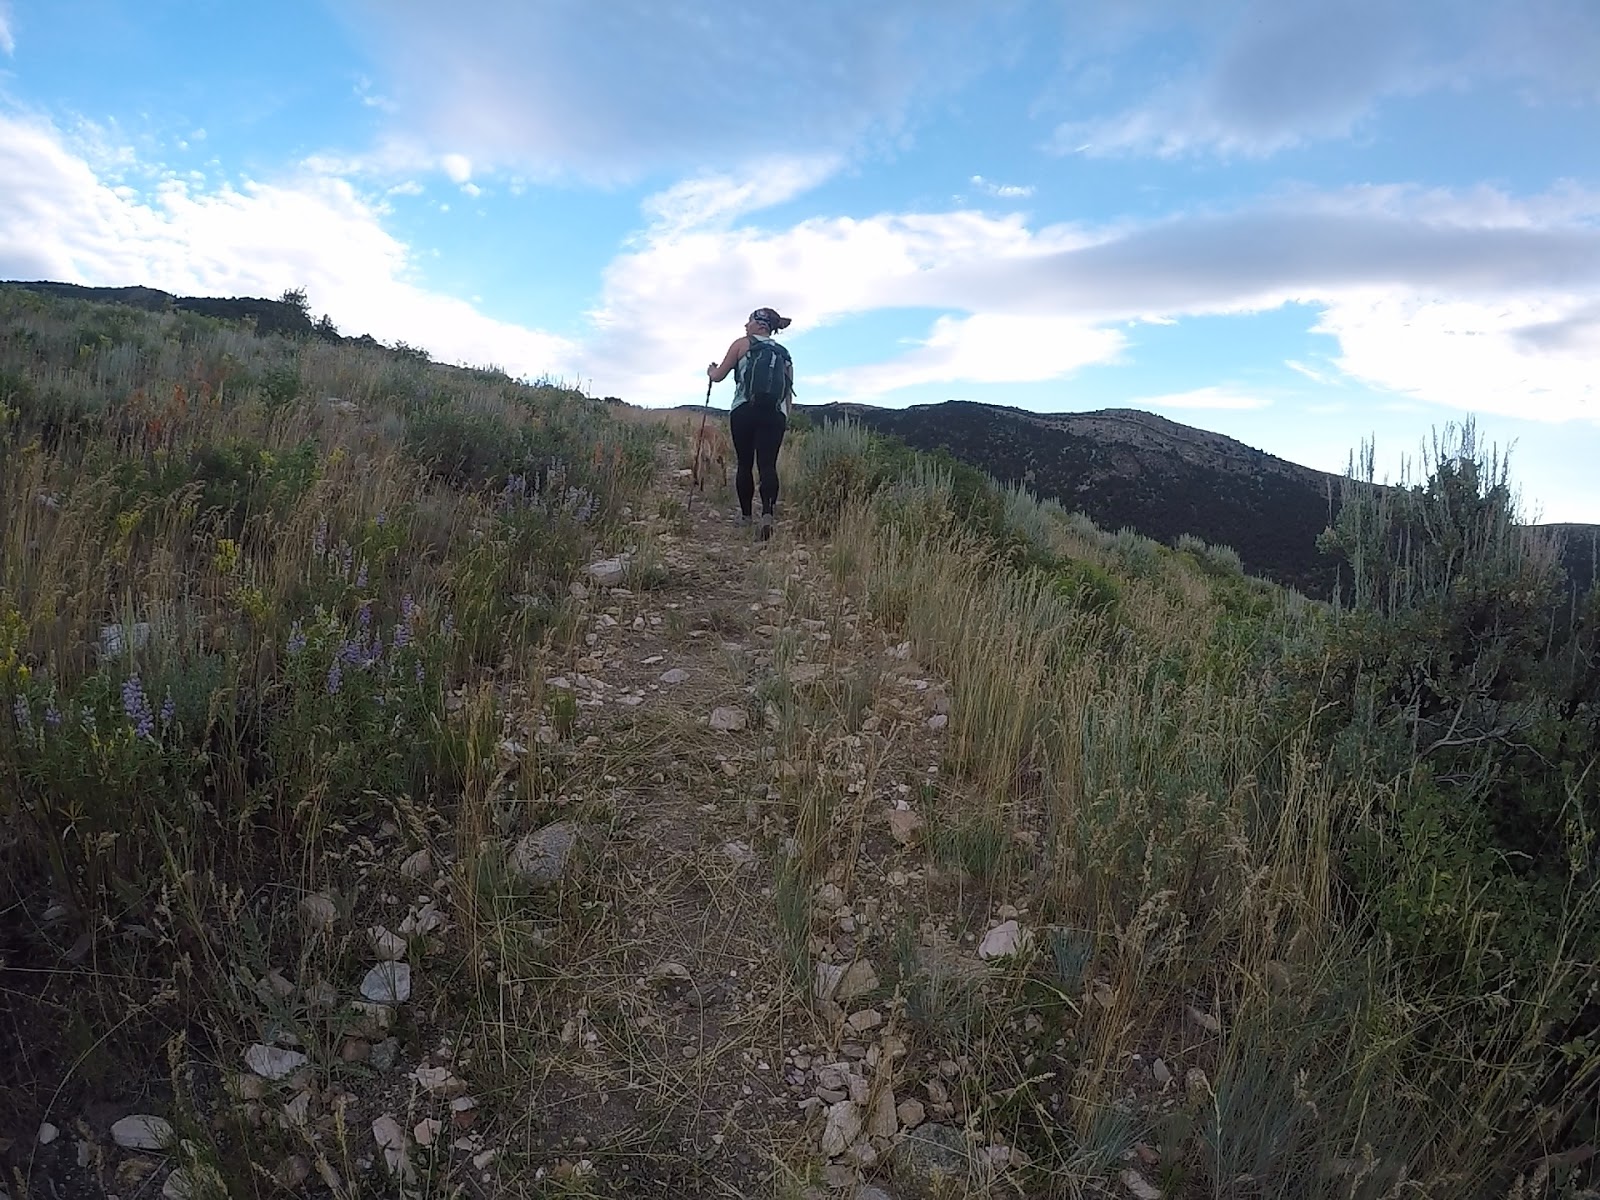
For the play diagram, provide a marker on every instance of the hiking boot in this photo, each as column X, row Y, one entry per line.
column 766, row 527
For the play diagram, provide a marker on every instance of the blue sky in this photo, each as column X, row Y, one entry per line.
column 1300, row 224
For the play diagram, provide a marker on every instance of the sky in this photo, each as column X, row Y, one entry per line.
column 1301, row 224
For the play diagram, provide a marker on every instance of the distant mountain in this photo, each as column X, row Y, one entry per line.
column 1122, row 467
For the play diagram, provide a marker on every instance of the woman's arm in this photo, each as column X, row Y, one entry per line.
column 717, row 373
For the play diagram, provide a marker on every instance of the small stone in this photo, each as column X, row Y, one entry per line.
column 1196, row 1086
column 1139, row 1186
column 910, row 1112
column 142, row 1132
column 883, row 1120
column 867, row 1018
column 729, row 720
column 273, row 1062
column 418, row 864
column 354, row 1050
column 938, row 721
column 387, row 983
column 292, row 1172
column 385, row 1054
column 741, row 854
column 391, row 1140
column 931, row 1157
column 198, row 1182
column 48, row 1133
column 318, row 911
column 903, row 825
column 1161, row 1073
column 843, row 1128
column 426, row 1131
column 542, row 857
column 372, row 1020
column 1004, row 940
column 439, row 1081
column 1205, row 1020
column 389, row 947
column 675, row 675
column 858, row 980
column 608, row 572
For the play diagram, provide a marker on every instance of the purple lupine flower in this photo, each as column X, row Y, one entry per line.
column 52, row 717
column 351, row 652
column 347, row 559
column 364, row 616
column 86, row 719
column 297, row 640
column 402, row 635
column 137, row 707
column 319, row 538
column 169, row 708
column 418, row 671
column 380, row 520
column 335, row 679
column 361, row 575
column 448, row 625
column 408, row 608
column 24, row 717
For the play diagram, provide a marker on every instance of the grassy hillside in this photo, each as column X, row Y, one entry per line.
column 946, row 844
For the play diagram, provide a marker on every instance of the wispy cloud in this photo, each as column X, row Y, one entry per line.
column 1206, row 397
column 610, row 91
column 1005, row 191
column 720, row 198
column 8, row 41
column 1271, row 75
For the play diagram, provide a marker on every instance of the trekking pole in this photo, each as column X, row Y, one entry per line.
column 699, row 438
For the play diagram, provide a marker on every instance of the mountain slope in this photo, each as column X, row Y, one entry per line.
column 1122, row 467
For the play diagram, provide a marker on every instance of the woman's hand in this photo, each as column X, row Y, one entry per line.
column 711, row 371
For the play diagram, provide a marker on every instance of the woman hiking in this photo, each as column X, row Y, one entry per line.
column 763, row 376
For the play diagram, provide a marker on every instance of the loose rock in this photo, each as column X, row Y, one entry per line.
column 843, row 1128
column 388, row 946
column 609, row 572
column 1004, row 940
column 273, row 1062
column 542, row 857
column 48, row 1133
column 910, row 1112
column 675, row 675
column 931, row 1156
column 418, row 864
column 729, row 720
column 318, row 911
column 1141, row 1187
column 142, row 1132
column 388, row 983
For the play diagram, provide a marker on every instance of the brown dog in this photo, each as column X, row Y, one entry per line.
column 711, row 450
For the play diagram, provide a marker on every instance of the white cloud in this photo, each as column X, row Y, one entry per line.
column 8, row 41
column 58, row 220
column 1472, row 355
column 1270, row 75
column 1005, row 191
column 986, row 348
column 457, row 166
column 1206, row 397
column 609, row 91
column 1309, row 372
column 718, row 199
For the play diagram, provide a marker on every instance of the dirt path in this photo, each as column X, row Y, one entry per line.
column 754, row 734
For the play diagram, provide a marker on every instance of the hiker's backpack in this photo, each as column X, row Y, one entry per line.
column 766, row 373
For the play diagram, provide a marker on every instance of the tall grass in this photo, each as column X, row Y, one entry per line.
column 1176, row 815
column 244, row 585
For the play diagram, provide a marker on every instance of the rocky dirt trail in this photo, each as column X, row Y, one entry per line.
column 746, row 766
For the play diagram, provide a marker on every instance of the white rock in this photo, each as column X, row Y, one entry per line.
column 938, row 721
column 199, row 1182
column 426, row 1131
column 843, row 1128
column 1003, row 940
column 1141, row 1187
column 391, row 1140
column 48, row 1133
column 142, row 1132
column 388, row 946
column 609, row 572
column 729, row 720
column 910, row 1112
column 676, row 675
column 542, row 856
column 884, row 1121
column 273, row 1062
column 844, row 983
column 388, row 983
column 1205, row 1020
column 417, row 865
column 318, row 911
column 1161, row 1073
column 740, row 854
column 439, row 1081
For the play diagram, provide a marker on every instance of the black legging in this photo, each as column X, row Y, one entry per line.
column 757, row 437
